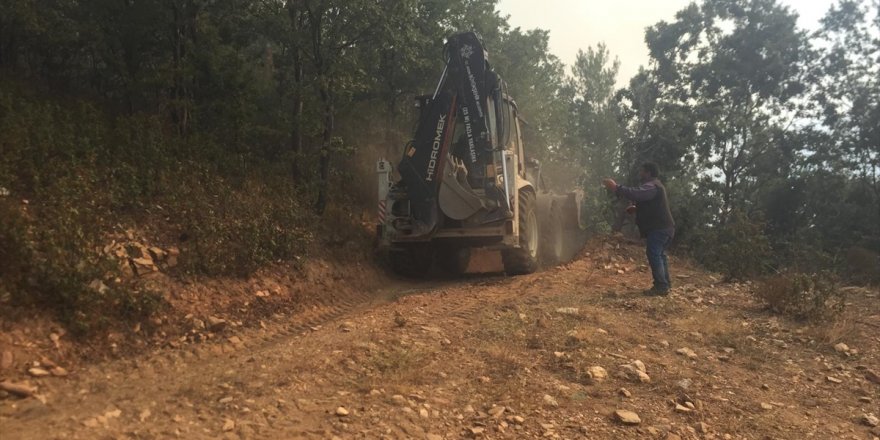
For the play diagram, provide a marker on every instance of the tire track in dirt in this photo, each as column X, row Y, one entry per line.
column 467, row 301
column 282, row 327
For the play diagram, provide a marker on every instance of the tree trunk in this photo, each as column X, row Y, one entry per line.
column 296, row 135
column 326, row 147
column 388, row 60
column 185, row 16
column 325, row 89
column 7, row 47
column 875, row 185
column 178, row 113
column 727, row 196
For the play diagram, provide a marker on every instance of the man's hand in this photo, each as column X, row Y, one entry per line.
column 610, row 184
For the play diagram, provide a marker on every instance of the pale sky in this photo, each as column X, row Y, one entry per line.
column 577, row 24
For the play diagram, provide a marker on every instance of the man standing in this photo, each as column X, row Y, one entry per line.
column 654, row 221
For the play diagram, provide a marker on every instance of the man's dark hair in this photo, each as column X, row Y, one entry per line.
column 651, row 168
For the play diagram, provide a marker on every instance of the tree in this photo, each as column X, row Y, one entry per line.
column 655, row 130
column 848, row 88
column 593, row 134
column 737, row 66
column 590, row 142
column 534, row 77
column 334, row 29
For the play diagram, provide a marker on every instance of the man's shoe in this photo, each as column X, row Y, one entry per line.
column 656, row 292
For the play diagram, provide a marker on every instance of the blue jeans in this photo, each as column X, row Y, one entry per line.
column 658, row 241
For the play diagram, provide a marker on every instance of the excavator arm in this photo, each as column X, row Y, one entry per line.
column 464, row 96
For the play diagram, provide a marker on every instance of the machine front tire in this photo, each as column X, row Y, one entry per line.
column 453, row 260
column 412, row 262
column 524, row 259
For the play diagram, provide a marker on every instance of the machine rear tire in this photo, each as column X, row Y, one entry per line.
column 412, row 262
column 524, row 259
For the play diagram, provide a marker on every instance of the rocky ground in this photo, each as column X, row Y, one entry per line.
column 571, row 352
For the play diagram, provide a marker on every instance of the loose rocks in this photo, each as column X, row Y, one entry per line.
column 684, row 351
column 683, row 384
column 476, row 432
column 38, row 372
column 216, row 324
column 597, row 373
column 550, row 401
column 635, row 372
column 18, row 389
column 627, row 417
column 228, row 425
column 496, row 411
column 6, row 360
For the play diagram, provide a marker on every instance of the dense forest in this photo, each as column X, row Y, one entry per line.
column 245, row 132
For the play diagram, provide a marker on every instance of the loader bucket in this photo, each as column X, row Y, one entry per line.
column 562, row 232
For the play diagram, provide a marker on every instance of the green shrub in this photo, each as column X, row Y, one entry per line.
column 237, row 212
column 86, row 173
column 234, row 231
column 49, row 261
column 739, row 249
column 862, row 265
column 803, row 252
column 14, row 252
column 803, row 296
column 63, row 159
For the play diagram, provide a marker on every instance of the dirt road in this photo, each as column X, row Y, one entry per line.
column 552, row 355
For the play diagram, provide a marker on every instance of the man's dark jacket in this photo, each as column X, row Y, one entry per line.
column 652, row 206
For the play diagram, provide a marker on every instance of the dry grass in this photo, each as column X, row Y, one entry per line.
column 710, row 324
column 502, row 361
column 502, row 327
column 504, row 340
column 398, row 365
column 718, row 331
column 843, row 329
